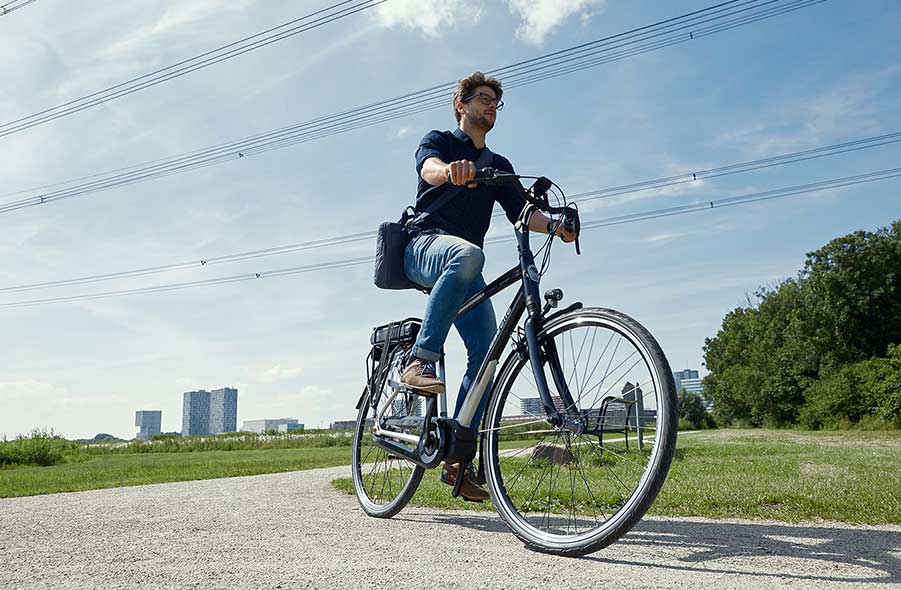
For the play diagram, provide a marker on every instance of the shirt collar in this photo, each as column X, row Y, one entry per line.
column 461, row 135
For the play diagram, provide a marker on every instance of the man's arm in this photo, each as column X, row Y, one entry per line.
column 538, row 222
column 436, row 172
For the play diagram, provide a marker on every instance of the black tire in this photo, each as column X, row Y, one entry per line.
column 383, row 483
column 617, row 476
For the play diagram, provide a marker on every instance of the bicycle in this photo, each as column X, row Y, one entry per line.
column 555, row 405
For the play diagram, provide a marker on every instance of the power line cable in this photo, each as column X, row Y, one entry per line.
column 612, row 221
column 8, row 7
column 204, row 60
column 390, row 109
column 248, row 148
column 749, row 166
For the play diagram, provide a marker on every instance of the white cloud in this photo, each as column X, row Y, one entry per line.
column 277, row 373
column 432, row 17
column 29, row 390
column 178, row 19
column 666, row 237
column 541, row 17
column 848, row 109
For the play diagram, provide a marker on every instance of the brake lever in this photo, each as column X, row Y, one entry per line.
column 571, row 224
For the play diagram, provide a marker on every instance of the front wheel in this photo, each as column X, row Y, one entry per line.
column 574, row 493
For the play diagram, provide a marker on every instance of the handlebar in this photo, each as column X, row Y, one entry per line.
column 536, row 195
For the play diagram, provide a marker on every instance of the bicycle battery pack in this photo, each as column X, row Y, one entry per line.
column 401, row 332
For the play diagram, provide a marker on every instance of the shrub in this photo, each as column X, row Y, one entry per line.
column 693, row 411
column 41, row 447
column 870, row 388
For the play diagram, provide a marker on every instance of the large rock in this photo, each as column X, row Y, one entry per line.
column 556, row 454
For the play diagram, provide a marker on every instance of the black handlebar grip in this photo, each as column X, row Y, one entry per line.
column 485, row 174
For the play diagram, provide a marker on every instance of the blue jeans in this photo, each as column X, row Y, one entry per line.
column 452, row 268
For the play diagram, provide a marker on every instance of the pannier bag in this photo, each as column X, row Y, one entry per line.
column 393, row 237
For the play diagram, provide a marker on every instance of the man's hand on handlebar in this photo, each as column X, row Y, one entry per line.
column 566, row 235
column 460, row 173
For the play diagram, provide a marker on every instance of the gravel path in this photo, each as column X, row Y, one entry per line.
column 292, row 530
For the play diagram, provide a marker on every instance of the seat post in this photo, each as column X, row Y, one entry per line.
column 441, row 377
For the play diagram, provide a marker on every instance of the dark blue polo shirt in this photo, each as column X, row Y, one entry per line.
column 468, row 214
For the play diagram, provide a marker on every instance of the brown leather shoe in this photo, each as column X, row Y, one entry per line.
column 420, row 375
column 469, row 489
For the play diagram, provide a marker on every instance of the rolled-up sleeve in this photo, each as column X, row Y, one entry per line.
column 433, row 145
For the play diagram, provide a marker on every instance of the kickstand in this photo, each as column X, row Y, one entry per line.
column 460, row 475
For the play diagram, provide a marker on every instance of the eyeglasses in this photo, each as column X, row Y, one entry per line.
column 485, row 99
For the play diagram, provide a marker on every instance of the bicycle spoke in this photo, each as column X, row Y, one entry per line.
column 618, row 380
column 594, row 334
column 550, row 493
column 561, row 490
column 543, row 475
column 594, row 501
column 600, row 358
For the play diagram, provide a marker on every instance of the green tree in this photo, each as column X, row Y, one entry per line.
column 853, row 297
column 780, row 353
column 692, row 409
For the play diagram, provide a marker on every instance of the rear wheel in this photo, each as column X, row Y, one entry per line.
column 383, row 482
column 574, row 493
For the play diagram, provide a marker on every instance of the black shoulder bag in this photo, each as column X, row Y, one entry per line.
column 393, row 236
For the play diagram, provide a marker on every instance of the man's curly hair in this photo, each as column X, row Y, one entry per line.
column 470, row 83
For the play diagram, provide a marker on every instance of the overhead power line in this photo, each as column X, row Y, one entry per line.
column 752, row 165
column 699, row 206
column 714, row 19
column 14, row 5
column 204, row 60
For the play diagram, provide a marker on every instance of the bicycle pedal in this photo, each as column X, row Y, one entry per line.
column 404, row 388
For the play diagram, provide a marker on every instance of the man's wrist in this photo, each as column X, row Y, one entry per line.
column 550, row 226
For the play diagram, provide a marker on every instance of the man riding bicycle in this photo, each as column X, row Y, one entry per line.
column 445, row 252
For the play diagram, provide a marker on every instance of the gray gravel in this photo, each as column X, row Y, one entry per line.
column 292, row 530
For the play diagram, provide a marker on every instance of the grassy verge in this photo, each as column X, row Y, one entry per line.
column 233, row 441
column 119, row 470
column 781, row 474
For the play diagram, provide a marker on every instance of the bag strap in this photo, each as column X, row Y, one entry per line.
column 485, row 159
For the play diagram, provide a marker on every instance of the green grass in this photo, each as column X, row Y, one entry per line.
column 233, row 441
column 780, row 474
column 117, row 470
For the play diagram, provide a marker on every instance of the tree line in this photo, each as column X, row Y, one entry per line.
column 822, row 349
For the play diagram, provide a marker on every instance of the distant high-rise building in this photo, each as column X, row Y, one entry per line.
column 693, row 385
column 679, row 376
column 531, row 405
column 343, row 425
column 210, row 412
column 149, row 422
column 266, row 425
column 195, row 413
column 223, row 410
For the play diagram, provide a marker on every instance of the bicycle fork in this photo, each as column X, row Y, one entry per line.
column 546, row 350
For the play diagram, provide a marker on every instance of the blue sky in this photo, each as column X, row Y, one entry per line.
column 294, row 346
